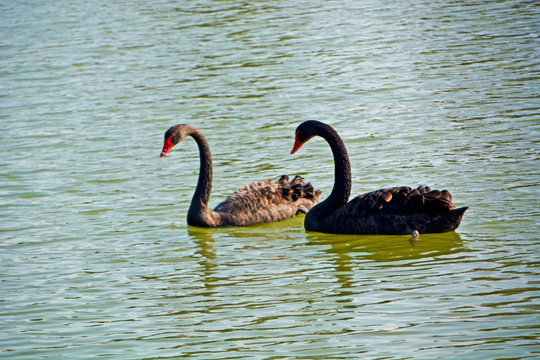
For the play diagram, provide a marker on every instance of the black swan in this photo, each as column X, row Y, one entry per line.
column 258, row 202
column 392, row 211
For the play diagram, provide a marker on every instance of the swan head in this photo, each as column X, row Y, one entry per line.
column 173, row 136
column 306, row 131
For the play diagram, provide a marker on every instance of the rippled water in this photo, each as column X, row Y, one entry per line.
column 96, row 257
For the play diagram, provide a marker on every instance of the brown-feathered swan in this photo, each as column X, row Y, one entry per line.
column 258, row 202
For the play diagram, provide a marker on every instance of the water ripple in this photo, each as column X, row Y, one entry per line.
column 97, row 259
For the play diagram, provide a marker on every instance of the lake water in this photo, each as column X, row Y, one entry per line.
column 96, row 256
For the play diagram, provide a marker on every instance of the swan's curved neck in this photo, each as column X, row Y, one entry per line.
column 342, row 173
column 198, row 210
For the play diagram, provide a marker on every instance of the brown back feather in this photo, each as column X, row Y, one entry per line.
column 267, row 201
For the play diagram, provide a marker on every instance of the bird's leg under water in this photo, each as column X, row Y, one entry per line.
column 415, row 237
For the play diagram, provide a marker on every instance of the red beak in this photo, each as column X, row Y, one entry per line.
column 297, row 144
column 167, row 146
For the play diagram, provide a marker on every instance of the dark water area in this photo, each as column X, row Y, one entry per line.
column 96, row 257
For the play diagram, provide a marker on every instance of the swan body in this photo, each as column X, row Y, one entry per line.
column 258, row 202
column 391, row 211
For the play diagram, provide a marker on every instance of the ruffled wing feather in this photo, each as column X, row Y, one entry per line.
column 398, row 210
column 267, row 201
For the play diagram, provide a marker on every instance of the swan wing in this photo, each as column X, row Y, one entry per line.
column 401, row 200
column 267, row 201
column 398, row 210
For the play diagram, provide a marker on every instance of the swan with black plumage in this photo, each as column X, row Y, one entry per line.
column 391, row 211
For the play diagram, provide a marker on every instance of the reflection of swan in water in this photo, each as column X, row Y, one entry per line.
column 264, row 237
column 390, row 247
column 350, row 252
column 206, row 251
column 265, row 231
column 265, row 234
column 205, row 243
